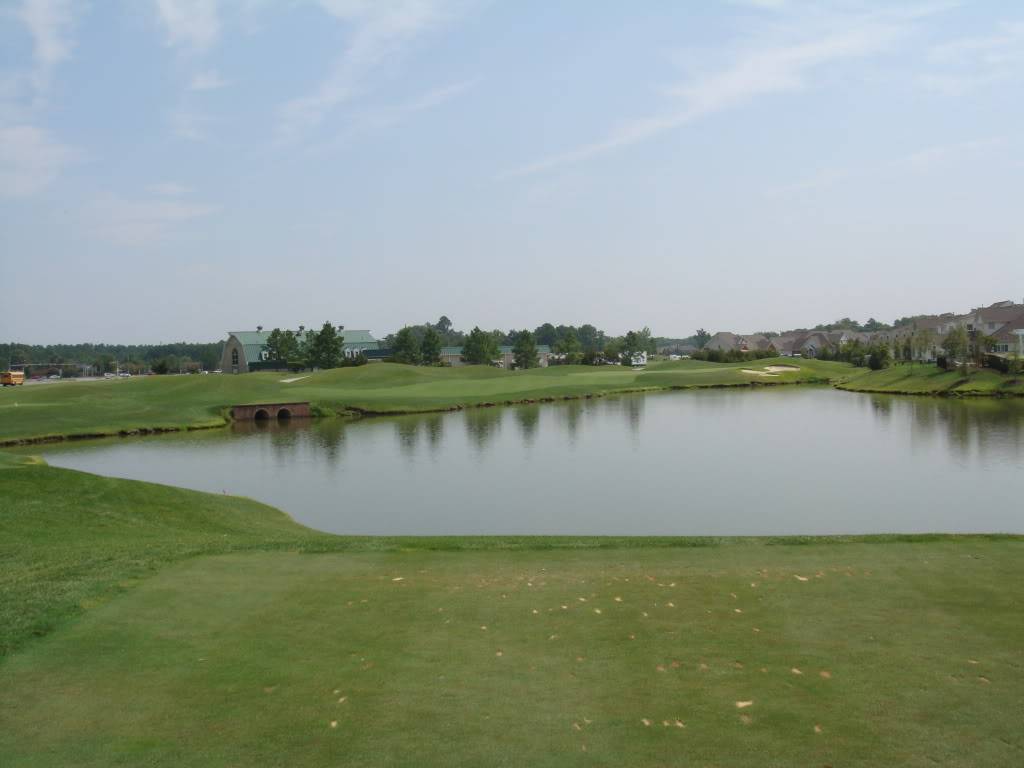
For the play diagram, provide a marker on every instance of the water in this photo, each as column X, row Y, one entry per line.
column 792, row 460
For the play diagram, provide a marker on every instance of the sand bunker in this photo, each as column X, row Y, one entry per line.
column 759, row 373
column 781, row 368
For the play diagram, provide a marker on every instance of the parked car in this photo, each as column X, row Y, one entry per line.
column 108, row 376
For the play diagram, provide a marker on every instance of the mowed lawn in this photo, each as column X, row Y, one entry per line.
column 734, row 655
column 172, row 402
column 930, row 380
column 157, row 626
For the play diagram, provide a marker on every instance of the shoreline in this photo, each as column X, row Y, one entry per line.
column 321, row 410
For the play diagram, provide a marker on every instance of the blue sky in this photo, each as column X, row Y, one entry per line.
column 172, row 169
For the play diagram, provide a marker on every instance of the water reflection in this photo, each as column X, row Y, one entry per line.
column 482, row 425
column 528, row 417
column 773, row 461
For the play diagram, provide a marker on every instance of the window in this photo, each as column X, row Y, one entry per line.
column 234, row 357
column 264, row 355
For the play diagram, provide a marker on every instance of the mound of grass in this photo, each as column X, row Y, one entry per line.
column 180, row 402
column 930, row 380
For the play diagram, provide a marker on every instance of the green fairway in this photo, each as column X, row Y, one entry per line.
column 890, row 654
column 878, row 651
column 920, row 379
column 176, row 402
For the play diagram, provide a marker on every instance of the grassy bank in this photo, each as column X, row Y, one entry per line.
column 180, row 402
column 562, row 652
column 930, row 380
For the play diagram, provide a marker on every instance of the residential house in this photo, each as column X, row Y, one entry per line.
column 245, row 348
column 730, row 342
column 1009, row 339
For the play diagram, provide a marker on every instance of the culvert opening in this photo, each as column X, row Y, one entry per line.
column 261, row 415
column 284, row 414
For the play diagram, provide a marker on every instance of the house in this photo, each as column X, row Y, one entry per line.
column 810, row 344
column 506, row 359
column 243, row 349
column 1009, row 339
column 730, row 342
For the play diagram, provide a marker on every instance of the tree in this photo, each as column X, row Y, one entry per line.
column 955, row 343
column 406, row 348
column 326, row 347
column 921, row 342
column 879, row 357
column 546, row 334
column 569, row 345
column 524, row 350
column 702, row 337
column 590, row 338
column 443, row 325
column 631, row 346
column 430, row 347
column 480, row 347
column 274, row 344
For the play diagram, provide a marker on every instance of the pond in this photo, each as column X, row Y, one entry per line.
column 787, row 460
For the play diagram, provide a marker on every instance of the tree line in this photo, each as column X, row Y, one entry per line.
column 586, row 344
column 106, row 358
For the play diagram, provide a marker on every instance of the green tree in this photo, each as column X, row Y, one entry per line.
column 569, row 345
column 430, row 347
column 702, row 337
column 546, row 334
column 590, row 338
column 955, row 343
column 922, row 342
column 524, row 350
column 406, row 347
column 631, row 345
column 326, row 347
column 480, row 347
column 274, row 343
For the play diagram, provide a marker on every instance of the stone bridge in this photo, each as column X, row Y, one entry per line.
column 266, row 411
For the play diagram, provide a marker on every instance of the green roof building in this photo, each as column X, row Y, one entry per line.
column 243, row 348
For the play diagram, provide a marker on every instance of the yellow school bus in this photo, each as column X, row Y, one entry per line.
column 12, row 378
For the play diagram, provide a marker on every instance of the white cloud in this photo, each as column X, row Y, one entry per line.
column 380, row 33
column 210, row 80
column 766, row 69
column 190, row 24
column 139, row 222
column 49, row 22
column 30, row 160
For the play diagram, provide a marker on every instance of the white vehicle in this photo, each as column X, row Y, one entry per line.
column 108, row 376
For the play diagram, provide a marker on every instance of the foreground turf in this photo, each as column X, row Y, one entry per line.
column 920, row 379
column 746, row 655
column 175, row 402
column 534, row 652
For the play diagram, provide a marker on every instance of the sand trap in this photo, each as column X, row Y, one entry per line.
column 781, row 368
column 759, row 373
column 297, row 378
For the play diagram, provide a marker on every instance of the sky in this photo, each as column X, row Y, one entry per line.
column 174, row 169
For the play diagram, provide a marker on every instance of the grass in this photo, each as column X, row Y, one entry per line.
column 921, row 379
column 178, row 402
column 859, row 652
